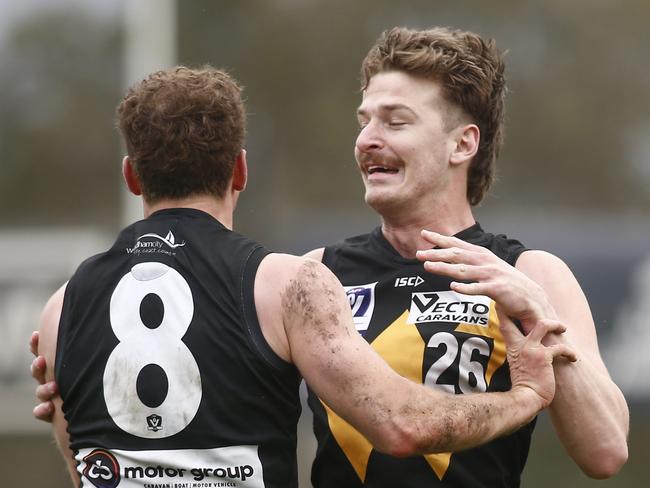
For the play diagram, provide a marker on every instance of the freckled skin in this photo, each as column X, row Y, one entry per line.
column 316, row 305
column 313, row 297
column 314, row 309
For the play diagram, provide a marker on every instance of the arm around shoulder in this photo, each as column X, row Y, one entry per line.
column 307, row 310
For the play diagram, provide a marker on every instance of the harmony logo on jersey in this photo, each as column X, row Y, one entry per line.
column 151, row 242
column 449, row 306
column 154, row 422
column 102, row 469
column 362, row 302
column 408, row 281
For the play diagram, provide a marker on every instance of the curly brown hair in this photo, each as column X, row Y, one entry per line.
column 470, row 71
column 183, row 130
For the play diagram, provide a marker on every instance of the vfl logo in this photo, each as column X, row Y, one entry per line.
column 449, row 306
column 362, row 303
column 102, row 469
column 154, row 422
column 408, row 281
column 144, row 246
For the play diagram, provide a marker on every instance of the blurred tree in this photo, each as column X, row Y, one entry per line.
column 576, row 115
column 576, row 100
column 299, row 64
column 60, row 80
column 576, row 72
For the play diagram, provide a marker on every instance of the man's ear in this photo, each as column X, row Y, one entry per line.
column 467, row 142
column 130, row 177
column 240, row 172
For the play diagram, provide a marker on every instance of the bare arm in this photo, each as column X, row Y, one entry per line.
column 589, row 412
column 316, row 254
column 47, row 338
column 306, row 318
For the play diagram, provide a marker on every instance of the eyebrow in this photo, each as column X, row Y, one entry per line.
column 391, row 107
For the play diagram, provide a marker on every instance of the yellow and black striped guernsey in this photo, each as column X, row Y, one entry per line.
column 432, row 335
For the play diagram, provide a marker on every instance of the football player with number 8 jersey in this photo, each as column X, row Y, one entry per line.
column 178, row 351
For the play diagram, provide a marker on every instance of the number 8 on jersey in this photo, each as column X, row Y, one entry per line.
column 141, row 345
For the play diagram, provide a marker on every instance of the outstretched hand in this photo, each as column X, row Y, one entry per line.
column 45, row 391
column 478, row 271
column 530, row 361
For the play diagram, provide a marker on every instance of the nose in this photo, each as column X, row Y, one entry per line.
column 369, row 138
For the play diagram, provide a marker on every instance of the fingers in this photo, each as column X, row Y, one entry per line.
column 37, row 369
column 46, row 391
column 460, row 271
column 456, row 258
column 545, row 327
column 448, row 241
column 562, row 351
column 33, row 343
column 475, row 288
column 44, row 411
column 455, row 255
column 449, row 255
column 508, row 329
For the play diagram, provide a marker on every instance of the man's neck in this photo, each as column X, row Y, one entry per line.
column 220, row 209
column 404, row 234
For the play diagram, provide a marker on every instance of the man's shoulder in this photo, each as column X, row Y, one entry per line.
column 278, row 269
column 315, row 254
column 360, row 240
column 354, row 242
column 285, row 283
column 507, row 248
column 358, row 243
column 535, row 261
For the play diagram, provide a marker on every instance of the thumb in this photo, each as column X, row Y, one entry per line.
column 509, row 330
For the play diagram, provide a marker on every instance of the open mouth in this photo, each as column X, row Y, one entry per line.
column 381, row 169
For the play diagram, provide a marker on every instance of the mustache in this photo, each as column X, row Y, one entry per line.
column 367, row 158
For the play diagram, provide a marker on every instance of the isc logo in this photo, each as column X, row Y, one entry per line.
column 408, row 281
column 362, row 303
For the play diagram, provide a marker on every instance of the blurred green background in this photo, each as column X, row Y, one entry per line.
column 573, row 176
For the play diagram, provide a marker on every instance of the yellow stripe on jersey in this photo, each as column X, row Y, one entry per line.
column 355, row 446
column 498, row 356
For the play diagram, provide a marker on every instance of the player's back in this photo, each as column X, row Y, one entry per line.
column 165, row 375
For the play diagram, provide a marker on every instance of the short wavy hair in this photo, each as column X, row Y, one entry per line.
column 183, row 130
column 470, row 71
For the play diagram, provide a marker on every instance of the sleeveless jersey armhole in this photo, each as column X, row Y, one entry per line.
column 249, row 312
column 329, row 256
column 61, row 335
column 514, row 254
